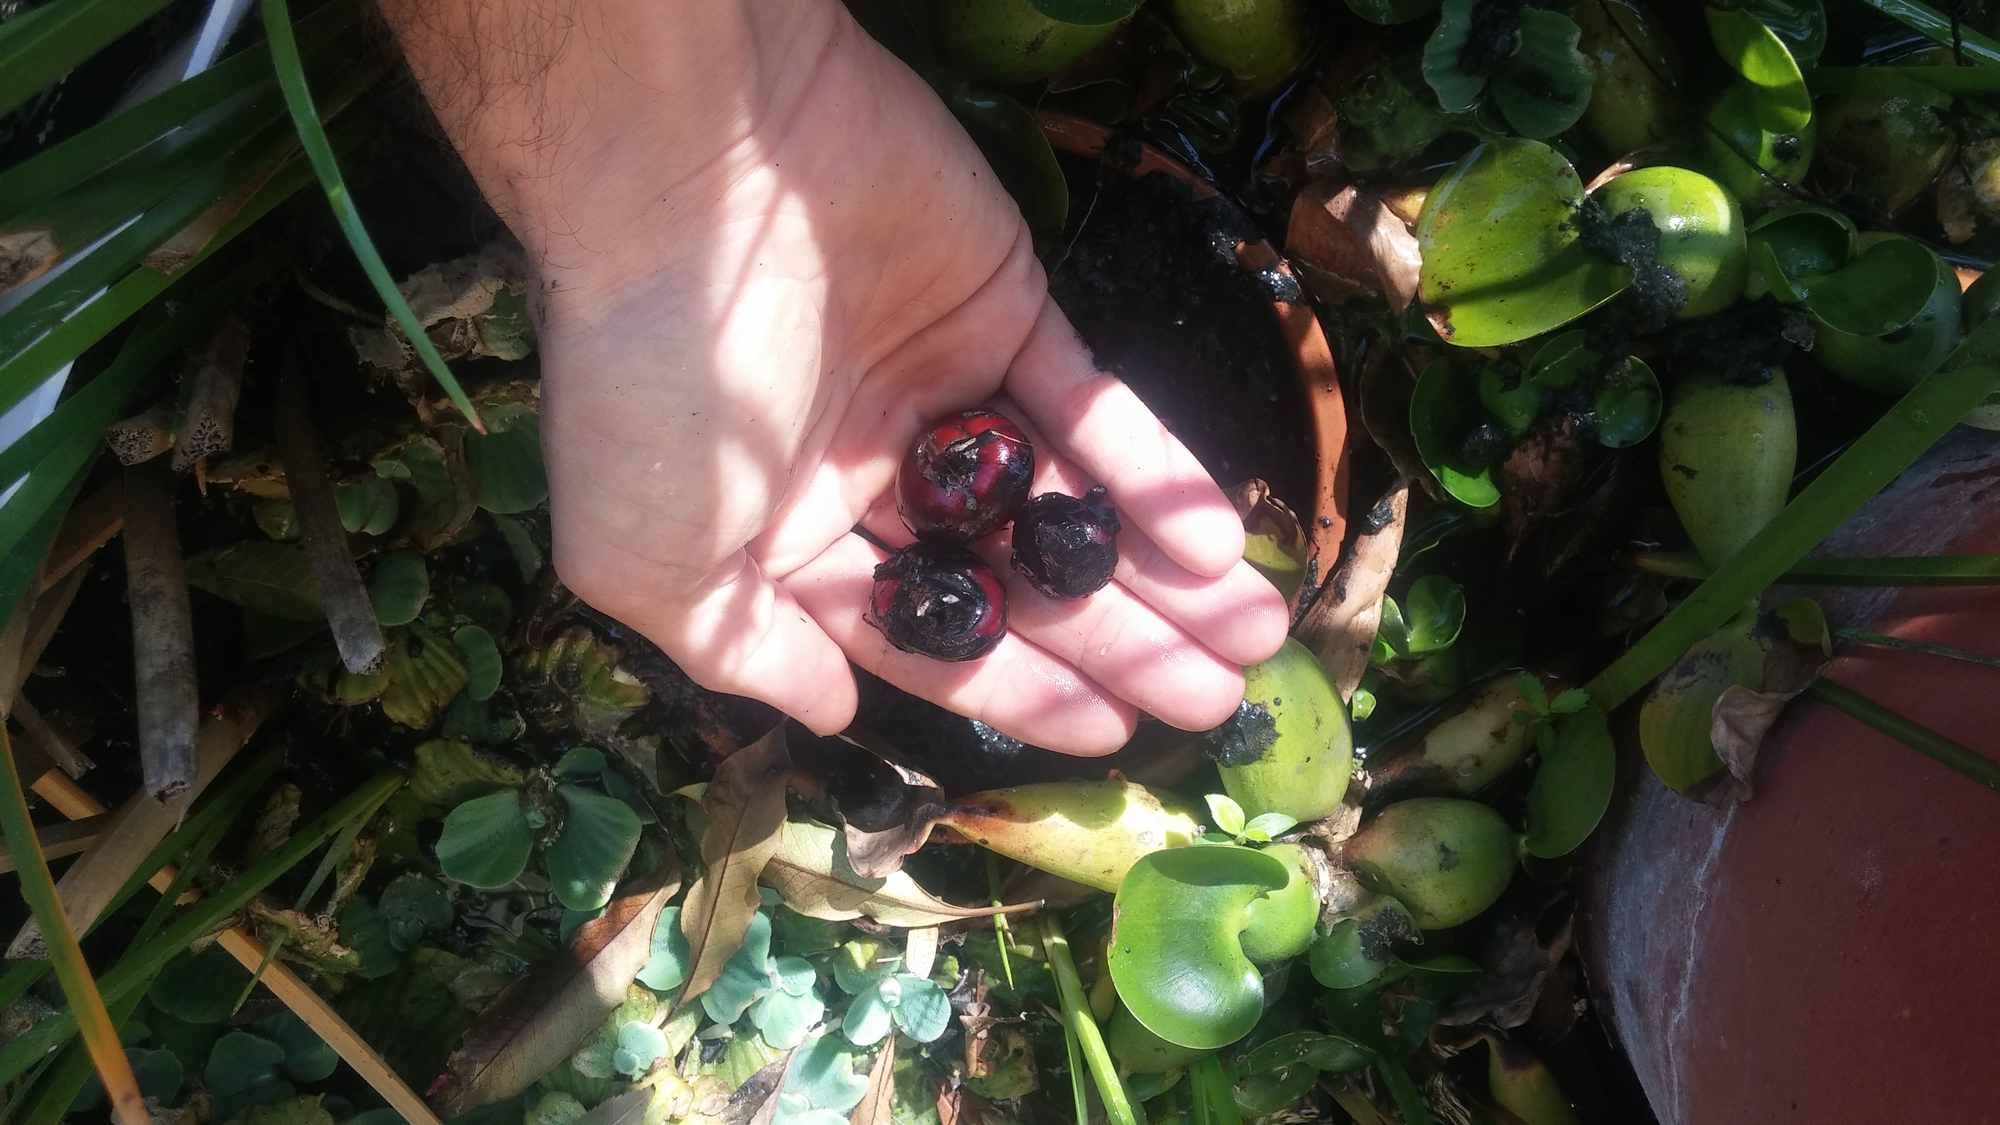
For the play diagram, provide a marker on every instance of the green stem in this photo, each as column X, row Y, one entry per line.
column 86, row 1004
column 141, row 962
column 1002, row 935
column 1952, row 754
column 1948, row 652
column 1939, row 28
column 1118, row 1108
column 305, row 118
column 1909, row 570
column 1876, row 458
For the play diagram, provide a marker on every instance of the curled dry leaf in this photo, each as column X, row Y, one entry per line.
column 1348, row 244
column 745, row 808
column 1524, row 944
column 810, row 871
column 1340, row 625
column 887, row 809
column 1538, row 478
column 537, row 1022
column 1743, row 716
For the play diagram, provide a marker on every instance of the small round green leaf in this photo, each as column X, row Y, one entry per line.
column 1434, row 611
column 1358, row 948
column 1458, row 89
column 1678, row 715
column 307, row 1056
column 1443, row 410
column 200, row 988
column 508, row 467
column 486, row 841
column 668, row 962
column 1573, row 786
column 399, row 585
column 482, row 661
column 1563, row 360
column 784, row 1020
column 822, row 1077
column 1881, row 289
column 1225, row 812
column 1782, row 102
column 1626, row 408
column 240, row 1061
column 580, row 763
column 367, row 506
column 868, row 1019
column 1546, row 86
column 1510, row 397
column 925, row 1010
column 1269, row 826
column 639, row 1046
column 599, row 835
column 414, row 907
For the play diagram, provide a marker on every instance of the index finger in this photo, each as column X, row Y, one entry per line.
column 1102, row 426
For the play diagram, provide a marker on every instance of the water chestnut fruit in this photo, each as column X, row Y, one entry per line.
column 938, row 600
column 966, row 477
column 1066, row 547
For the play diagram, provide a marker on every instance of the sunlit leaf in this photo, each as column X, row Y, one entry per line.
column 486, row 841
column 599, row 835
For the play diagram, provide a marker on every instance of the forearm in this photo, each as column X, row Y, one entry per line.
column 537, row 94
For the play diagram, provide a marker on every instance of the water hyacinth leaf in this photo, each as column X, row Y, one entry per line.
column 1798, row 240
column 1513, row 400
column 1458, row 89
column 1502, row 260
column 486, row 841
column 1547, row 84
column 1753, row 50
column 1880, row 290
column 1392, row 634
column 1226, row 813
column 274, row 579
column 1800, row 23
column 399, row 585
column 599, row 835
column 1563, row 360
column 1333, row 1053
column 1359, row 948
column 1176, row 953
column 1626, row 408
column 1572, row 788
column 1434, row 612
column 483, row 665
column 507, row 466
column 1442, row 413
column 924, row 1011
column 367, row 506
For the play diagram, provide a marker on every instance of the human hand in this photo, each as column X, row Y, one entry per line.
column 769, row 258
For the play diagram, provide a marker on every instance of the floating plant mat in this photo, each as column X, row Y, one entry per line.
column 1149, row 278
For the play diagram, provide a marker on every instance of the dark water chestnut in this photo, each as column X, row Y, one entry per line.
column 967, row 476
column 1066, row 547
column 938, row 600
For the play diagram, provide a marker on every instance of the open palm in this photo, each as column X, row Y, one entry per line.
column 751, row 308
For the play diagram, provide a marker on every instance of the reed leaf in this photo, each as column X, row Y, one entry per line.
column 40, row 46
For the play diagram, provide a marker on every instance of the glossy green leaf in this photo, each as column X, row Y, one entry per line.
column 1753, row 50
column 1510, row 397
column 1677, row 719
column 1546, row 86
column 482, row 661
column 1800, row 23
column 507, row 467
column 1269, row 826
column 1798, row 240
column 1458, row 89
column 159, row 1072
column 1443, row 410
column 367, row 506
column 1225, row 812
column 1434, row 609
column 1176, row 952
column 580, row 763
column 1573, row 785
column 1087, row 12
column 399, row 585
column 1879, row 290
column 1319, row 1050
column 271, row 578
column 1501, row 257
column 1563, row 360
column 599, row 835
column 1392, row 635
column 486, row 841
column 1359, row 948
column 1626, row 408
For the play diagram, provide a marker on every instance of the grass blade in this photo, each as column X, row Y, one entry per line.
column 100, row 1035
column 1877, row 457
column 326, row 166
column 1939, row 28
column 1948, row 752
column 40, row 47
column 1077, row 1018
column 1905, row 570
column 141, row 962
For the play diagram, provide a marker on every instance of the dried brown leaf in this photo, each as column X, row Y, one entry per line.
column 1538, row 478
column 1340, row 626
column 628, row 1108
column 1744, row 716
column 920, row 949
column 878, row 1105
column 756, row 1101
column 1348, row 244
column 745, row 808
column 810, row 871
column 887, row 808
column 535, row 1024
column 1523, row 945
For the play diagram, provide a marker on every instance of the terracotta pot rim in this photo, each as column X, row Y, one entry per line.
column 1312, row 354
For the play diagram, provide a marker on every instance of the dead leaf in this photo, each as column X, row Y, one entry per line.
column 810, row 871
column 920, row 949
column 1348, row 244
column 1340, row 626
column 1386, row 382
column 1523, row 945
column 1538, row 478
column 538, row 1021
column 756, row 1101
column 887, row 809
column 878, row 1105
column 1743, row 716
column 628, row 1108
column 745, row 807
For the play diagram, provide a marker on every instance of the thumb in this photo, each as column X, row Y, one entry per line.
column 740, row 633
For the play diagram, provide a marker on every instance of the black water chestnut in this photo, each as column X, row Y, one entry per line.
column 938, row 600
column 1066, row 547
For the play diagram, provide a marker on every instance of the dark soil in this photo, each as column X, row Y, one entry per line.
column 1149, row 277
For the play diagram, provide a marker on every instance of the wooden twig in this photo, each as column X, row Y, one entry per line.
column 45, row 743
column 168, row 703
column 342, row 595
column 91, row 523
column 90, row 882
column 69, row 799
column 208, row 397
column 60, row 840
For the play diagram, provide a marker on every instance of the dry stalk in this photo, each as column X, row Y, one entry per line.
column 47, row 743
column 92, row 522
column 209, row 395
column 60, row 840
column 168, row 704
column 342, row 595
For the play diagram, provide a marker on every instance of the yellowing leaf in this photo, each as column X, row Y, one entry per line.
column 745, row 805
column 810, row 871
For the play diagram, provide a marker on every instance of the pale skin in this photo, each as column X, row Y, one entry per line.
column 768, row 256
